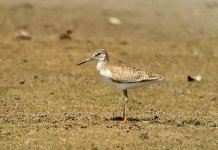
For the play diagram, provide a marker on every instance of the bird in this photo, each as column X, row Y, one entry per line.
column 122, row 76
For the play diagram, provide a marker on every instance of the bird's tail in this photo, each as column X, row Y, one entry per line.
column 163, row 77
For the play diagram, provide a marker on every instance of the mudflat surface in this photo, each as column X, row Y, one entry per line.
column 46, row 102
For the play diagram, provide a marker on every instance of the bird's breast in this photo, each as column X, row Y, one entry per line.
column 103, row 71
column 106, row 73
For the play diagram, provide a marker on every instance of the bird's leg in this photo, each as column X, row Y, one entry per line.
column 125, row 107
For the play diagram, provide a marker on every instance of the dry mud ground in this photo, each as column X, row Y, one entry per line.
column 46, row 102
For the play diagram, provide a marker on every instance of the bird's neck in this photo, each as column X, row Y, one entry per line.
column 106, row 59
column 101, row 65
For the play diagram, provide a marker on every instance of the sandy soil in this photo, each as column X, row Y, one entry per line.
column 46, row 102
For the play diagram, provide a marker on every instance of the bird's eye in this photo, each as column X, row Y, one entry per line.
column 98, row 54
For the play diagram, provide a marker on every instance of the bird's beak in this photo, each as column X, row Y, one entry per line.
column 85, row 61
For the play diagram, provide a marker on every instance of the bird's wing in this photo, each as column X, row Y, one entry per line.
column 127, row 74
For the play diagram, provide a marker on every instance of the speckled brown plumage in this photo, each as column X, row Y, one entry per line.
column 128, row 74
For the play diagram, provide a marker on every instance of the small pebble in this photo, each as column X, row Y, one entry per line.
column 66, row 35
column 24, row 35
column 114, row 20
column 83, row 126
column 22, row 81
column 196, row 78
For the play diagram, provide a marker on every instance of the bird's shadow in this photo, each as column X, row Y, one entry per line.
column 119, row 118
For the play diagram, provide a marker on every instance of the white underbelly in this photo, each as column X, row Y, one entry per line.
column 125, row 85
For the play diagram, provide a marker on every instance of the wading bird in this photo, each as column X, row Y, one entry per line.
column 122, row 76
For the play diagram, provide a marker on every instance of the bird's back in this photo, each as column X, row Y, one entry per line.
column 126, row 74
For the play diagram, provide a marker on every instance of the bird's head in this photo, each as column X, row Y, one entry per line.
column 100, row 55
